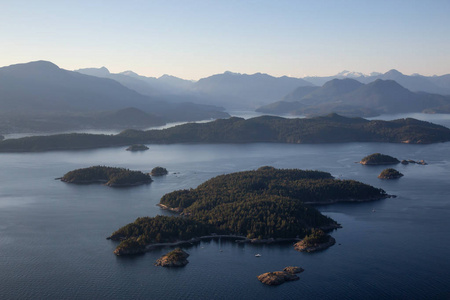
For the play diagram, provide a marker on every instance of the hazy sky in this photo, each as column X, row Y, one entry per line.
column 193, row 39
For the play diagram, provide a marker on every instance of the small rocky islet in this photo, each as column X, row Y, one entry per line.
column 279, row 277
column 159, row 171
column 410, row 161
column 175, row 258
column 390, row 174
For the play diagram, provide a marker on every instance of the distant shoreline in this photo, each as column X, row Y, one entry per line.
column 332, row 128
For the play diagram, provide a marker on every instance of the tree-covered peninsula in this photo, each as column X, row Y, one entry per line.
column 316, row 241
column 114, row 177
column 262, row 204
column 268, row 129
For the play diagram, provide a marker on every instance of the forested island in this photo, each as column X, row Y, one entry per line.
column 268, row 129
column 159, row 171
column 114, row 177
column 390, row 174
column 379, row 159
column 264, row 204
column 137, row 147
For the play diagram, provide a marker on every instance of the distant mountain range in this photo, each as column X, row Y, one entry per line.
column 233, row 90
column 352, row 98
column 236, row 91
column 40, row 95
column 415, row 83
column 165, row 85
column 230, row 90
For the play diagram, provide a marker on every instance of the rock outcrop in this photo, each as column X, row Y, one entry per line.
column 175, row 258
column 293, row 270
column 277, row 277
column 317, row 247
column 316, row 241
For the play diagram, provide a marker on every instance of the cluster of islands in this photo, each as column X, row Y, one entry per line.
column 266, row 205
column 378, row 159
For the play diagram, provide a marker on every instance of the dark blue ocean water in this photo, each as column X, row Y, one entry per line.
column 53, row 246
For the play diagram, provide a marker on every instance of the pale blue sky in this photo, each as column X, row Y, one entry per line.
column 193, row 38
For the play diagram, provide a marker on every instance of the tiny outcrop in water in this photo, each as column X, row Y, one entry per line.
column 137, row 147
column 175, row 258
column 390, row 174
column 277, row 277
column 316, row 241
column 379, row 159
column 293, row 270
column 110, row 176
column 159, row 171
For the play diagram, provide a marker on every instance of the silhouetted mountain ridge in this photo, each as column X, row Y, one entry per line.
column 352, row 98
column 43, row 90
column 415, row 82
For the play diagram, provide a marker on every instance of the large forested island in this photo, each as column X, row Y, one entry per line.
column 114, row 177
column 327, row 129
column 265, row 204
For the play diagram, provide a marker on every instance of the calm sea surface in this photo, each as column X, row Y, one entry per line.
column 53, row 246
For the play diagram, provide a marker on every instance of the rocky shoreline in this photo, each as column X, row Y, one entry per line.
column 104, row 182
column 237, row 239
column 350, row 200
column 302, row 247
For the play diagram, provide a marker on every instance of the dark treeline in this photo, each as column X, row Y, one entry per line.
column 328, row 129
column 161, row 229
